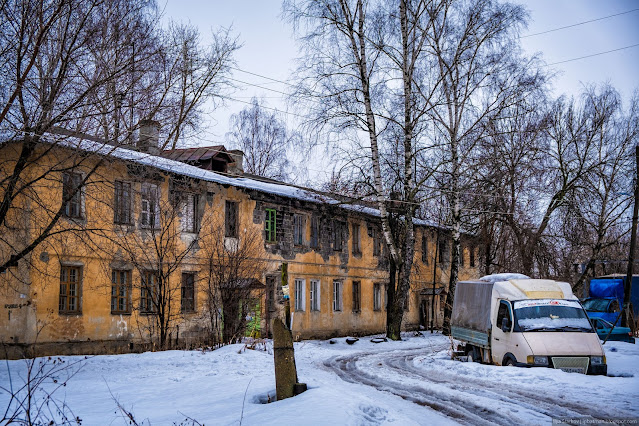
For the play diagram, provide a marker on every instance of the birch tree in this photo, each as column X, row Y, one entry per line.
column 364, row 74
column 481, row 69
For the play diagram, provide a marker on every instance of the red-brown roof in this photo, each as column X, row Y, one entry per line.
column 198, row 154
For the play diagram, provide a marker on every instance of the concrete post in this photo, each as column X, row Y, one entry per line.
column 286, row 384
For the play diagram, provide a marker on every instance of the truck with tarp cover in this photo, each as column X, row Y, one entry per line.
column 510, row 319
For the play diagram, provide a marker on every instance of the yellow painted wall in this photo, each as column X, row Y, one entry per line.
column 30, row 293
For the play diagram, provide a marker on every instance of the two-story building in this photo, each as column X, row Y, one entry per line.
column 171, row 248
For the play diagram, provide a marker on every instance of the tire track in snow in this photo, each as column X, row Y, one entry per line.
column 462, row 398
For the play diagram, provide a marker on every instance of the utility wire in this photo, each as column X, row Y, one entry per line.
column 594, row 54
column 579, row 23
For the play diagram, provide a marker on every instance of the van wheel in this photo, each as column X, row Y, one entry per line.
column 509, row 362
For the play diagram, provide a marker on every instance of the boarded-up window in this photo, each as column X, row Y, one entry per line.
column 231, row 219
column 338, row 235
column 443, row 256
column 120, row 291
column 356, row 241
column 298, row 229
column 72, row 194
column 188, row 292
column 122, row 203
column 314, row 232
column 375, row 234
column 357, row 292
column 69, row 302
column 149, row 292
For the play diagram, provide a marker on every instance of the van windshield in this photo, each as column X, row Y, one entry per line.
column 551, row 315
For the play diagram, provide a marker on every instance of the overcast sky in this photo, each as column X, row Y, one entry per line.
column 269, row 48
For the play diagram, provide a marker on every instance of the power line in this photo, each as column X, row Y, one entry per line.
column 594, row 54
column 580, row 23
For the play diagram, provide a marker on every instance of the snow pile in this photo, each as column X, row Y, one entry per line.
column 409, row 382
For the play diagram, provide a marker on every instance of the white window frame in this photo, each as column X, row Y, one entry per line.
column 300, row 293
column 188, row 211
column 377, row 296
column 315, row 295
column 337, row 296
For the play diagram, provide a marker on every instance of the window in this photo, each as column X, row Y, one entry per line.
column 442, row 251
column 376, row 241
column 424, row 248
column 189, row 209
column 337, row 295
column 188, row 292
column 149, row 292
column 502, row 313
column 461, row 255
column 300, row 292
column 377, row 297
column 150, row 206
column 356, row 244
column 315, row 295
column 69, row 290
column 122, row 203
column 357, row 291
column 338, row 235
column 72, row 194
column 120, row 292
column 298, row 229
column 270, row 225
column 314, row 232
column 471, row 259
column 230, row 221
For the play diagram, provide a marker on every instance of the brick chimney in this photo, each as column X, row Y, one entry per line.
column 149, row 137
column 236, row 168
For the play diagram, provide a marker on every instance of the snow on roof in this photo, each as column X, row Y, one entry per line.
column 506, row 276
column 177, row 167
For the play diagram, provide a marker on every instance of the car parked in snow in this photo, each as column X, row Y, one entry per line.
column 602, row 327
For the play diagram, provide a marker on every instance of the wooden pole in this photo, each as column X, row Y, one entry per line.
column 627, row 291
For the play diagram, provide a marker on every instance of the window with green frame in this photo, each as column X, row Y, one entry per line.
column 270, row 225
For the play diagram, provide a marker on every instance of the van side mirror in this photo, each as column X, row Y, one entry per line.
column 505, row 325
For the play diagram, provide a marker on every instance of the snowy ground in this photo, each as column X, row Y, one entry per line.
column 409, row 382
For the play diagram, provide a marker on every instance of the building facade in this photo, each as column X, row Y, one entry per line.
column 151, row 252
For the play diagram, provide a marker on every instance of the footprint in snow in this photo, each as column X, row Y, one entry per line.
column 372, row 415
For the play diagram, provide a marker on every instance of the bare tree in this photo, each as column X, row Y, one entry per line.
column 163, row 247
column 235, row 265
column 600, row 206
column 264, row 139
column 69, row 66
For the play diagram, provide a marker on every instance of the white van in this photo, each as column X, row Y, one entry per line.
column 510, row 319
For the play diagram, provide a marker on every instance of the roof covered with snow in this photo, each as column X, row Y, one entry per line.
column 180, row 168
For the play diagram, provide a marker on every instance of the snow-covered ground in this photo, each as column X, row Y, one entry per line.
column 409, row 382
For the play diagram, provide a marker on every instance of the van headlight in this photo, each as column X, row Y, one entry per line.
column 596, row 360
column 537, row 360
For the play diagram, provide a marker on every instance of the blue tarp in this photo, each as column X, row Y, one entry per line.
column 604, row 288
